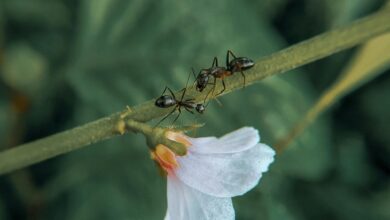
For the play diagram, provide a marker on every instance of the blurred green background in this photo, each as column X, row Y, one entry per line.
column 66, row 62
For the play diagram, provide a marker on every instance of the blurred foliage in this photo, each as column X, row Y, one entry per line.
column 77, row 61
column 372, row 59
column 19, row 60
column 4, row 111
column 2, row 212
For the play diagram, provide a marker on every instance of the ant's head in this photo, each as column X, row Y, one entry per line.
column 165, row 101
column 200, row 87
column 200, row 108
column 201, row 80
column 204, row 74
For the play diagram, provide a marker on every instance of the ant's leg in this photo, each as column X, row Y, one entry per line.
column 170, row 113
column 215, row 84
column 243, row 75
column 229, row 52
column 218, row 102
column 188, row 79
column 172, row 94
column 185, row 88
column 166, row 87
column 204, row 101
column 189, row 110
column 205, row 98
column 196, row 78
column 193, row 72
column 215, row 62
column 177, row 115
column 211, row 91
column 182, row 95
column 224, row 87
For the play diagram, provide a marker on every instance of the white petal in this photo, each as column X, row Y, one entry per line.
column 236, row 141
column 187, row 203
column 202, row 141
column 225, row 175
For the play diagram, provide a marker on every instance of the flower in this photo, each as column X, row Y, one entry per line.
column 202, row 182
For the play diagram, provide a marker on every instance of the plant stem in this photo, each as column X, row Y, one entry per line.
column 290, row 58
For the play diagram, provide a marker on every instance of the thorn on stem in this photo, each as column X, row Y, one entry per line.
column 126, row 112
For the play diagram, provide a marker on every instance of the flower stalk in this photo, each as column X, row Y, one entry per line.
column 156, row 136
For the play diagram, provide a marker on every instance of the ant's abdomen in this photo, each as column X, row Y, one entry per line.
column 165, row 101
column 240, row 64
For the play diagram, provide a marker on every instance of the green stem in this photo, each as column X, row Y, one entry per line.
column 290, row 58
column 155, row 136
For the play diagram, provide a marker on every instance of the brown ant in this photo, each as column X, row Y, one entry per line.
column 202, row 80
column 237, row 64
column 166, row 101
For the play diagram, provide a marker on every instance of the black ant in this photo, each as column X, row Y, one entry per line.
column 237, row 64
column 202, row 80
column 166, row 101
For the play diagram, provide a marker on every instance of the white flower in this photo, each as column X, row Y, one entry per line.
column 201, row 183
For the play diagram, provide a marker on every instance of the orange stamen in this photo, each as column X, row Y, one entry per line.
column 178, row 137
column 165, row 158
